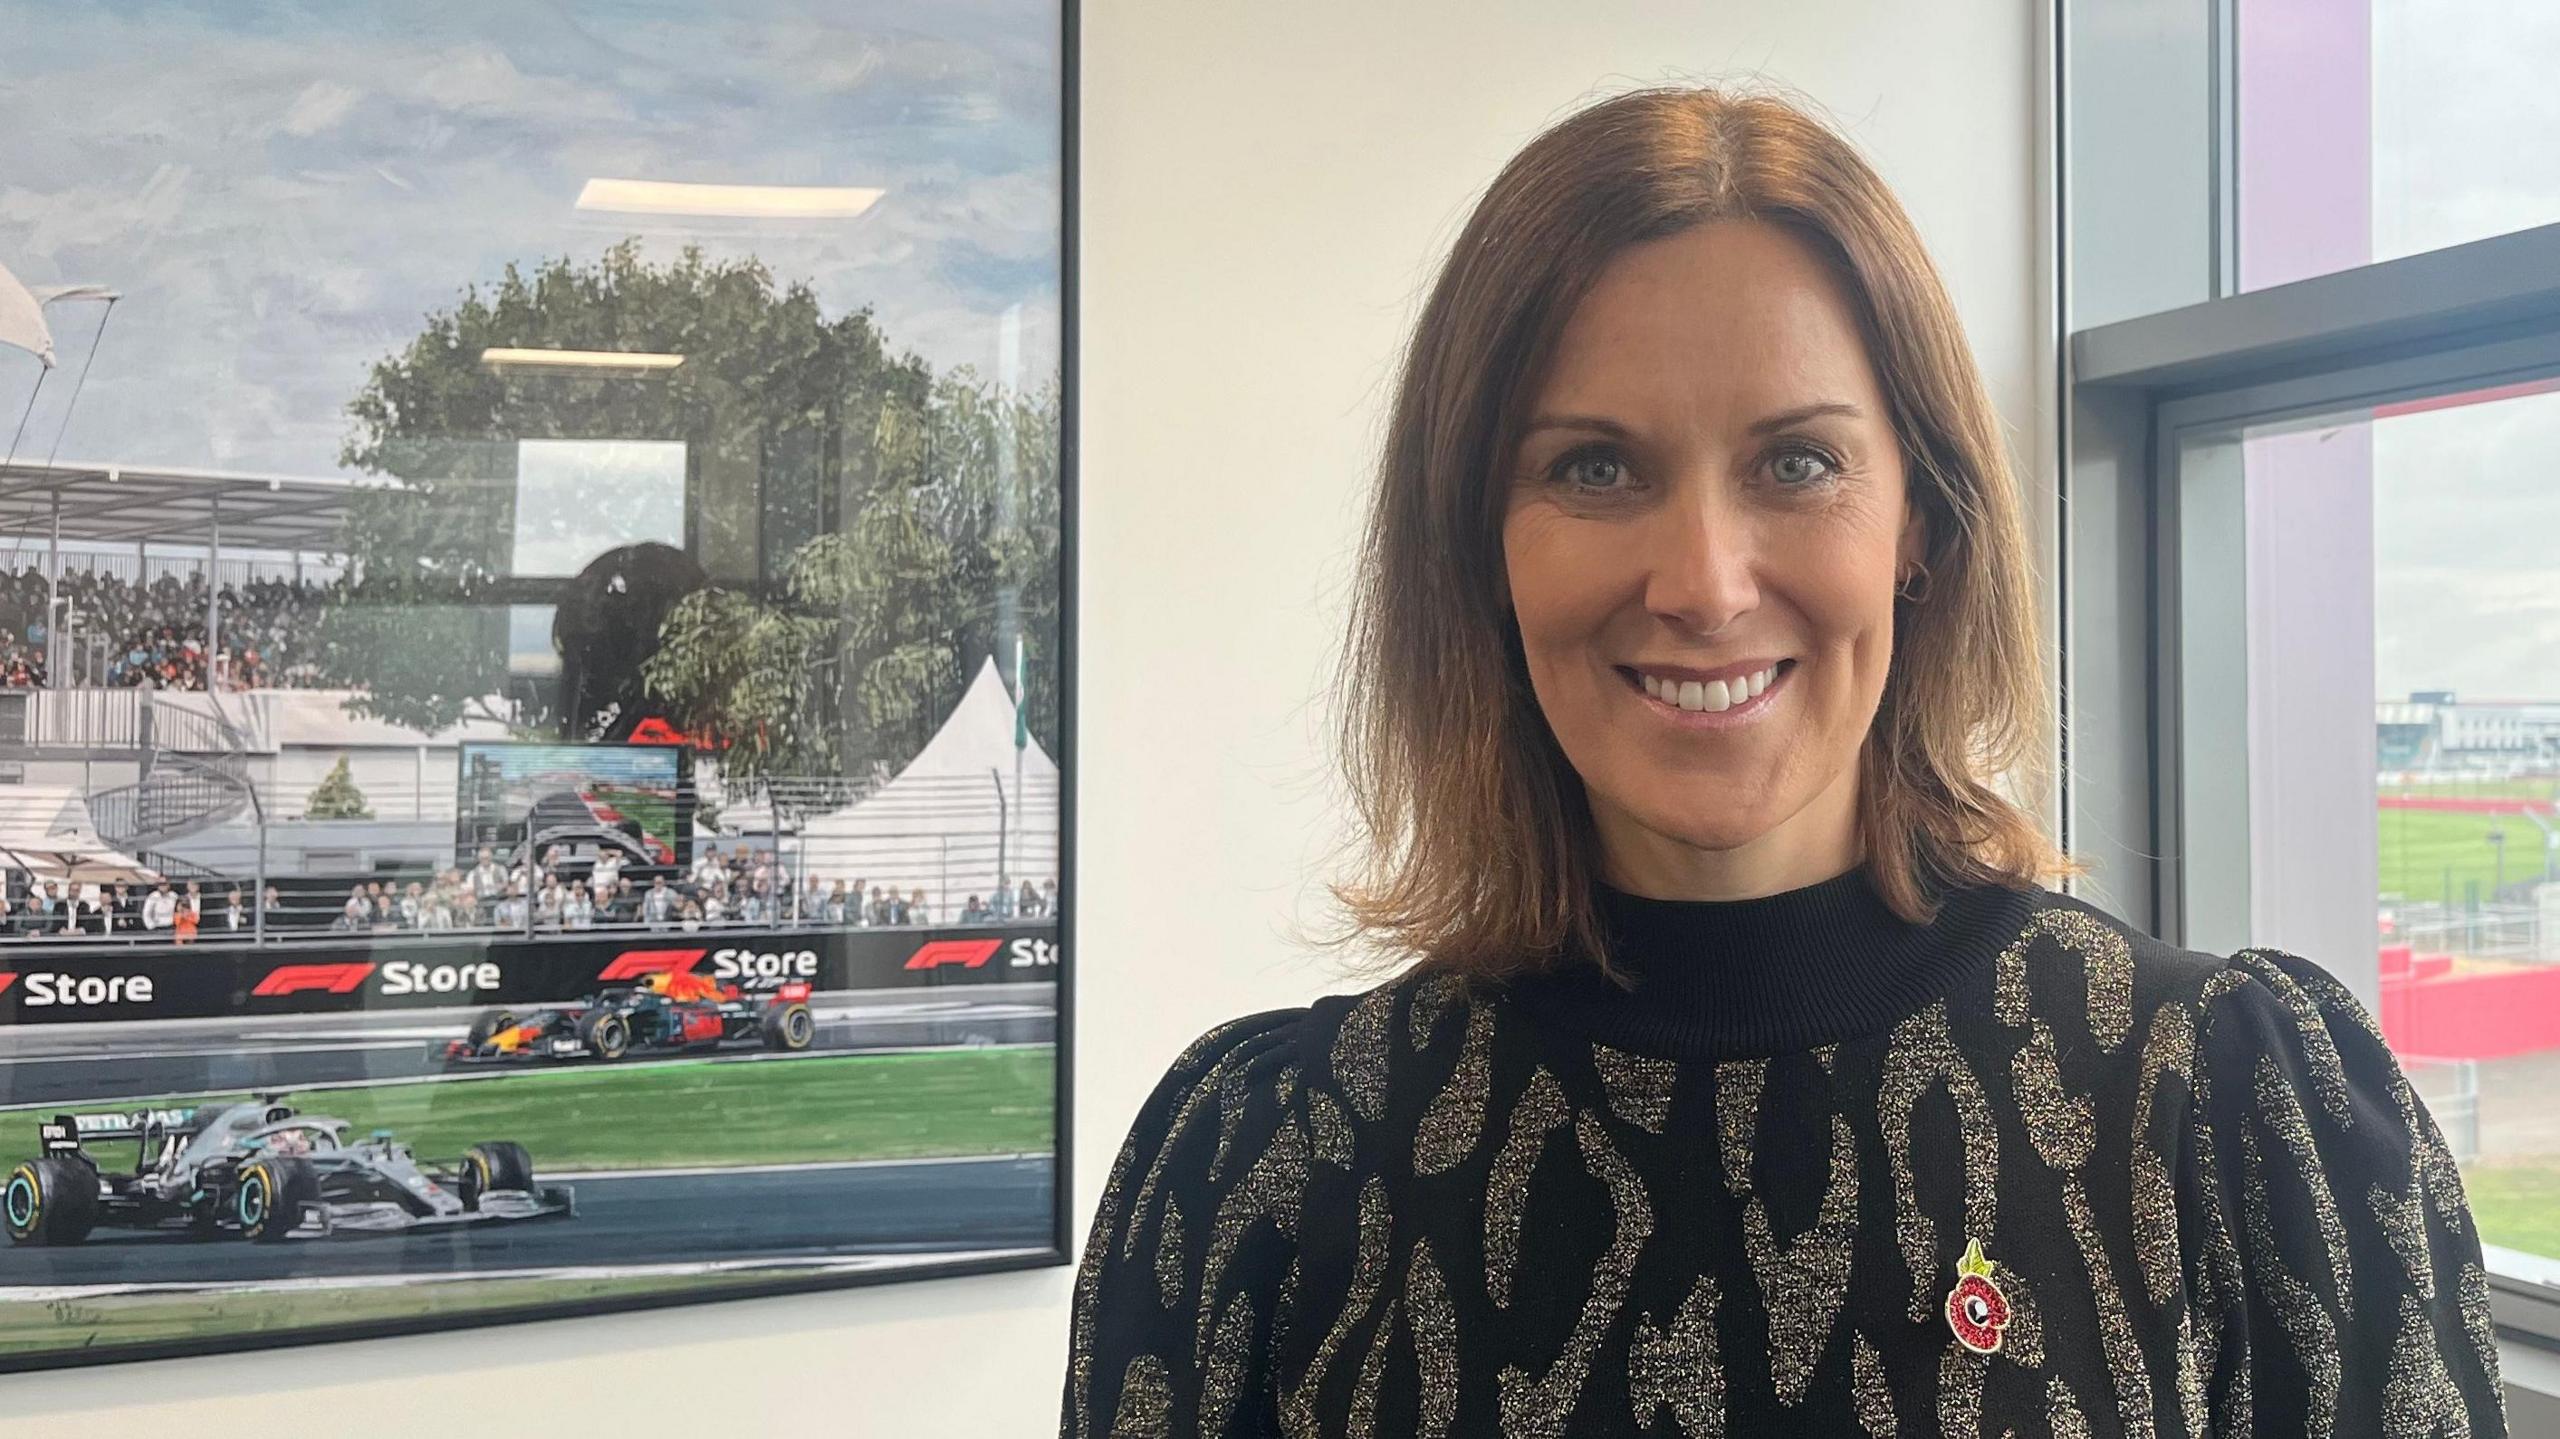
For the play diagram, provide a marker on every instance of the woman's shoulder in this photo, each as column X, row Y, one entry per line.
column 1334, row 1038
column 2131, row 974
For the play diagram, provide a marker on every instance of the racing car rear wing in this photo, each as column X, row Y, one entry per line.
column 76, row 1129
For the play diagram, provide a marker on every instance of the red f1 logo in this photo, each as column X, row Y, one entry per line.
column 7, row 977
column 293, row 978
column 632, row 964
column 967, row 953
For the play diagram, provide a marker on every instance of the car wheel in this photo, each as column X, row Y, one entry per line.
column 487, row 1026
column 268, row 1202
column 50, row 1201
column 791, row 1026
column 607, row 1034
column 496, row 1164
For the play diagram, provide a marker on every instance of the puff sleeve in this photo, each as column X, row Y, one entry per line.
column 1181, row 1292
column 2336, row 1287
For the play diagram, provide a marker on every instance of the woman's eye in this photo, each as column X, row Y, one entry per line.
column 1591, row 470
column 1798, row 468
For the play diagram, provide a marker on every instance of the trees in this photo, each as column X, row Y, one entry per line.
column 422, row 632
column 881, row 624
column 336, row 796
column 859, row 533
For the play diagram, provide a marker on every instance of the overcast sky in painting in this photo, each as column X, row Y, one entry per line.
column 282, row 192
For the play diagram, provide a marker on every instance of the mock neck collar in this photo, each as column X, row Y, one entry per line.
column 1720, row 979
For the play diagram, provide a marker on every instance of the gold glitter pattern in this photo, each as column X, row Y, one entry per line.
column 2115, row 1327
column 2106, row 968
column 1638, row 1085
column 2062, row 1412
column 1146, row 1401
column 1435, row 1341
column 2403, row 1222
column 1230, row 1359
column 1329, row 1129
column 1960, row 1376
column 1540, row 1110
column 2306, row 1320
column 1368, row 1274
column 1170, row 1259
column 2060, row 1125
column 2420, row 1398
column 1540, row 1408
column 2280, row 1109
column 1674, row 1367
column 1803, row 1282
column 1360, row 1053
column 1451, row 1125
column 2328, row 1071
column 2171, row 1050
column 1869, row 1393
column 1431, row 999
column 1737, row 1118
column 1920, row 1057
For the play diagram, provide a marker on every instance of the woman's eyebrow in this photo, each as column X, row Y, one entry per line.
column 1783, row 419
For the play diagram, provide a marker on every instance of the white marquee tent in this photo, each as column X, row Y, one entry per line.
column 955, row 814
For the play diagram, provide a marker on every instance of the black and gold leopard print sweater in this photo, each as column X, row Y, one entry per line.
column 2020, row 1171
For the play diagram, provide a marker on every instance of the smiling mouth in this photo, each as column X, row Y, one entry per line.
column 1709, row 696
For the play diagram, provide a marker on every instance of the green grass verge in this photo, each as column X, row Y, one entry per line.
column 107, row 1323
column 2517, row 1205
column 678, row 1112
column 2426, row 855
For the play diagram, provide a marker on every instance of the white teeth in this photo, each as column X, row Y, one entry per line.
column 1711, row 696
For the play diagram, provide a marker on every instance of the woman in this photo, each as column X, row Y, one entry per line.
column 1743, row 1078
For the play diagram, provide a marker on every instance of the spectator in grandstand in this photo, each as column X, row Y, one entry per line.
column 974, row 912
column 690, row 915
column 123, row 910
column 413, row 906
column 41, row 903
column 97, row 914
column 708, row 870
column 271, row 907
column 488, row 881
column 510, row 910
column 878, row 913
column 1001, row 902
column 832, row 909
column 715, row 905
column 546, row 903
column 1049, row 895
column 605, row 875
column 234, row 918
column 577, row 907
column 1027, row 903
column 188, row 914
column 919, row 909
column 357, row 914
column 659, row 906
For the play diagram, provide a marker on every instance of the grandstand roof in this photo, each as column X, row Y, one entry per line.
column 160, row 505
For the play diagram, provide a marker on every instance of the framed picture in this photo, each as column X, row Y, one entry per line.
column 536, row 671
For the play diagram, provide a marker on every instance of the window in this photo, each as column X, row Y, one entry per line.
column 2311, row 598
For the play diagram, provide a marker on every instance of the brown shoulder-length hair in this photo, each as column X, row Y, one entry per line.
column 1478, row 850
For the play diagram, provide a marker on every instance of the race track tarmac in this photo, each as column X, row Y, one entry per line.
column 620, row 1220
column 77, row 1063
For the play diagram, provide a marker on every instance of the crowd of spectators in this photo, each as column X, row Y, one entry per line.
column 744, row 887
column 154, row 633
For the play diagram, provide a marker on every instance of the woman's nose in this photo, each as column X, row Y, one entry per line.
column 1704, row 564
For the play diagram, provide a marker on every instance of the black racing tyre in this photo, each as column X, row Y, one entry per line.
column 495, row 1164
column 790, row 1026
column 50, row 1201
column 607, row 1033
column 267, row 1205
column 488, row 1024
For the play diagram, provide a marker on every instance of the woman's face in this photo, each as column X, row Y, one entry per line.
column 1707, row 523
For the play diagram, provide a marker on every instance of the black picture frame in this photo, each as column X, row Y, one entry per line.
column 1060, row 1248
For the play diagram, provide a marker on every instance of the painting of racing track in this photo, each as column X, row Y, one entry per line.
column 536, row 660
column 329, row 1163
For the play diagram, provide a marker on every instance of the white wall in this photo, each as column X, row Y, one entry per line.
column 1265, row 187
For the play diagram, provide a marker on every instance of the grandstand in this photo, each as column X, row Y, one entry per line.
column 166, row 715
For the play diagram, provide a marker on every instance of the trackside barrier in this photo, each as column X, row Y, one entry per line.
column 55, row 986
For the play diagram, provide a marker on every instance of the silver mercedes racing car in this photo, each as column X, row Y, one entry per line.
column 259, row 1170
